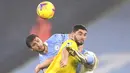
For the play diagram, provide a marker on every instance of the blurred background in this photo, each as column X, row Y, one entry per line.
column 107, row 21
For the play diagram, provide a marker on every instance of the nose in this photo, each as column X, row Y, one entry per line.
column 40, row 47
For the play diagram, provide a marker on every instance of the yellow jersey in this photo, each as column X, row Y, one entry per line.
column 71, row 67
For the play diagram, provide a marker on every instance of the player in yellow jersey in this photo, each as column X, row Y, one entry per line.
column 88, row 59
column 74, row 58
column 56, row 66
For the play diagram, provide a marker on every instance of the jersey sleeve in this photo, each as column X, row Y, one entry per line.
column 53, row 44
column 42, row 58
column 91, row 59
column 89, row 55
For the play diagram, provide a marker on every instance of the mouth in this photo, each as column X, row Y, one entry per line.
column 81, row 41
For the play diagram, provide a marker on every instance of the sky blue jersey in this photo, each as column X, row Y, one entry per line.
column 53, row 43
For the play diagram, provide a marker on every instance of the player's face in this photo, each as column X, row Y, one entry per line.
column 80, row 36
column 37, row 45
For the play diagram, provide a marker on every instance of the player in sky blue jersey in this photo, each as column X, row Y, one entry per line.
column 53, row 43
column 49, row 49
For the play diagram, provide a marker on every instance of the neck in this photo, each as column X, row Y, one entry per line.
column 80, row 48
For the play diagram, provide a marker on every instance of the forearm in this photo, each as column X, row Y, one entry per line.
column 64, row 59
column 65, row 54
column 46, row 63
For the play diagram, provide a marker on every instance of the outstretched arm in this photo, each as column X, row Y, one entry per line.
column 43, row 65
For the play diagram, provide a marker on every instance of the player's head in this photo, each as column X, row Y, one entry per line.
column 79, row 34
column 35, row 43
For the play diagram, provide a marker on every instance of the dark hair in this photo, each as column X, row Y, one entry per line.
column 77, row 27
column 29, row 39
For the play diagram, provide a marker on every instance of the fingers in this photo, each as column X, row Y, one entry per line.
column 62, row 64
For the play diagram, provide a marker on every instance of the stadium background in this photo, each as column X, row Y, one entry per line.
column 108, row 23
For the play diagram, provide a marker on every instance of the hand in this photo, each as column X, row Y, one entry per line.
column 63, row 63
column 37, row 69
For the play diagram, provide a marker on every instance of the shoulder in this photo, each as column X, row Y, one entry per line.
column 71, row 43
column 42, row 57
column 54, row 38
column 58, row 35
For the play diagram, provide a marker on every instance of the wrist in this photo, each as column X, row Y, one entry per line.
column 39, row 66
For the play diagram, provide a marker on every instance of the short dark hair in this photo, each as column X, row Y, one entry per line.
column 29, row 39
column 77, row 27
